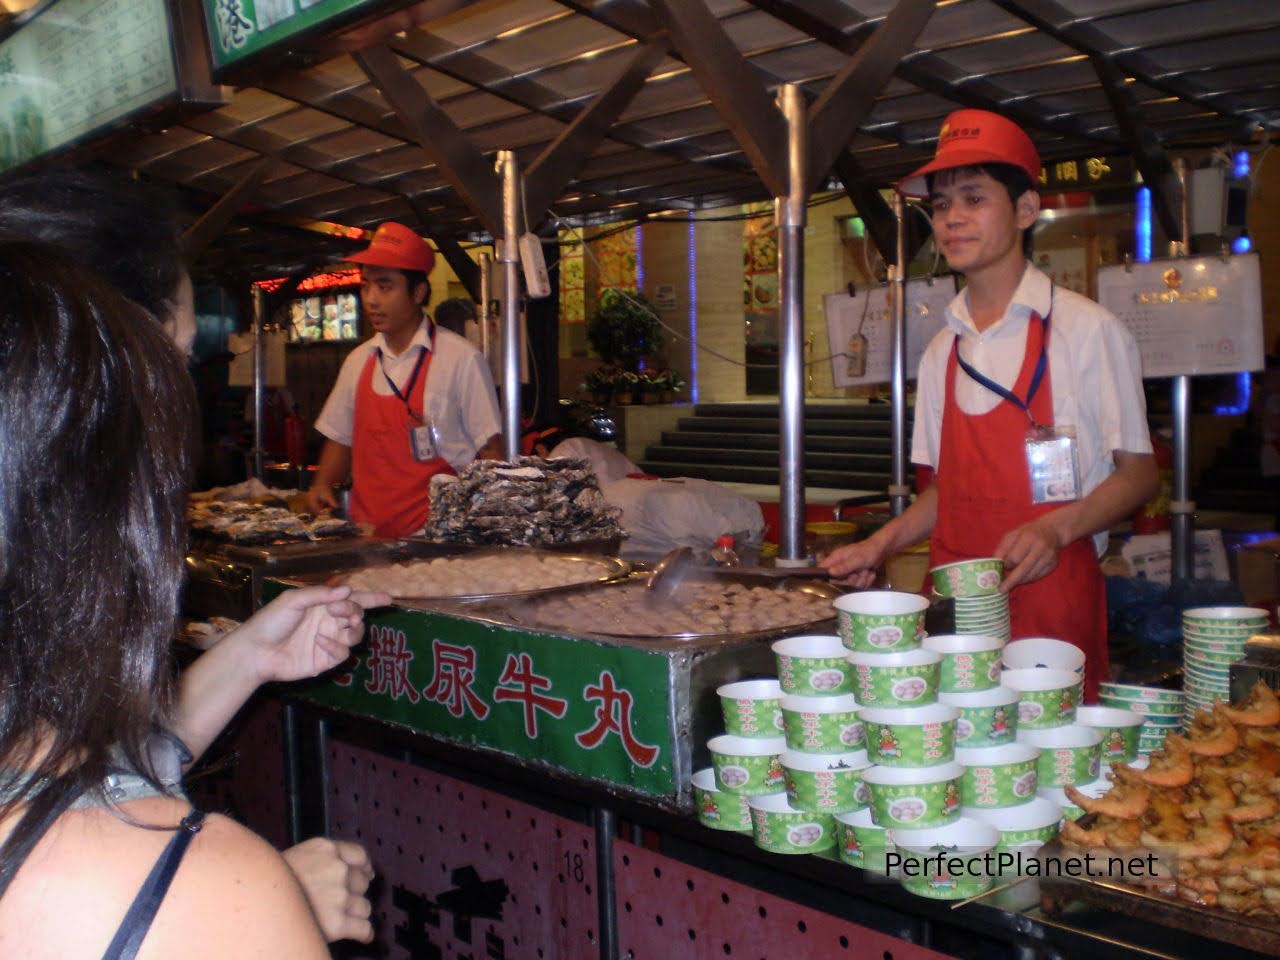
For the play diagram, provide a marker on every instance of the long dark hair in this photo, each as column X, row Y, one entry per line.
column 96, row 432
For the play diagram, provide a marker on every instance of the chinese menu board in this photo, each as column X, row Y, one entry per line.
column 240, row 28
column 77, row 66
column 868, row 314
column 1192, row 316
column 328, row 316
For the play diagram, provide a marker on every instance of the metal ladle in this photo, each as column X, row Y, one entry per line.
column 668, row 575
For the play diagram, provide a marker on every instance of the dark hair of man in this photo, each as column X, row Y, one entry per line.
column 454, row 313
column 412, row 279
column 120, row 229
column 1013, row 178
column 96, row 414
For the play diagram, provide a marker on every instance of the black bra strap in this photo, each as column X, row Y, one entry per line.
column 133, row 929
column 21, row 842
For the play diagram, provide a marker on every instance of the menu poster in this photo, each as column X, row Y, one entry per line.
column 1198, row 315
column 77, row 66
column 241, row 28
column 868, row 313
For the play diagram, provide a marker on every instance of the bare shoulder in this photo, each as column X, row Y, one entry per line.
column 234, row 897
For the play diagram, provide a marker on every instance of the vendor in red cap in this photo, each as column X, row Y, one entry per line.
column 413, row 401
column 1029, row 408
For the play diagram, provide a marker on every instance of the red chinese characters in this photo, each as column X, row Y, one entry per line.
column 389, row 661
column 519, row 683
column 455, row 675
column 614, row 716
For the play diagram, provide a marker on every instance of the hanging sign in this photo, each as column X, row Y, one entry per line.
column 860, row 328
column 78, row 66
column 1197, row 315
column 239, row 29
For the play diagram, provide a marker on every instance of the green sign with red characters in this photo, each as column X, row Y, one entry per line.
column 595, row 710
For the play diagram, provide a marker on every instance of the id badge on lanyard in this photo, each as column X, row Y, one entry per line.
column 423, row 442
column 1053, row 464
column 1053, row 456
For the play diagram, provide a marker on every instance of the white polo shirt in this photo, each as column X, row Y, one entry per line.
column 460, row 397
column 1094, row 366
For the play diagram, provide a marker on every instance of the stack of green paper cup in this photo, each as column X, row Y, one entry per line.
column 1023, row 829
column 1213, row 638
column 862, row 842
column 751, row 708
column 965, row 843
column 968, row 578
column 748, row 765
column 998, row 776
column 1068, row 755
column 1043, row 653
column 988, row 718
column 985, row 616
column 813, row 666
column 822, row 724
column 1161, row 710
column 1120, row 729
column 969, row 662
column 910, row 736
column 914, row 797
column 717, row 809
column 826, row 783
column 1046, row 698
column 907, row 679
column 780, row 828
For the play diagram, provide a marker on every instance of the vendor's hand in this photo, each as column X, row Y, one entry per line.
column 302, row 633
column 856, row 563
column 1029, row 552
column 321, row 498
column 335, row 875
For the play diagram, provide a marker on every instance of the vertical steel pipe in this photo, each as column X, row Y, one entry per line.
column 790, row 212
column 486, row 298
column 1181, row 509
column 898, row 489
column 259, row 376
column 605, row 823
column 509, row 256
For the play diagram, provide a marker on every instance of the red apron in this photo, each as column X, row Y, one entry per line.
column 984, row 492
column 389, row 488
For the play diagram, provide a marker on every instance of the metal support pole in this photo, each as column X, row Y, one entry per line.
column 486, row 298
column 605, row 822
column 898, row 489
column 791, row 221
column 509, row 256
column 292, row 772
column 1182, row 508
column 259, row 376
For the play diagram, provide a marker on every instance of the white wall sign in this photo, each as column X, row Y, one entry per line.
column 1198, row 315
column 664, row 296
column 868, row 312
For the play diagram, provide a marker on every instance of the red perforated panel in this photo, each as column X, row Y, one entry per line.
column 463, row 872
column 667, row 909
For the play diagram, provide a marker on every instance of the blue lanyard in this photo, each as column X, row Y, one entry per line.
column 1036, row 376
column 413, row 378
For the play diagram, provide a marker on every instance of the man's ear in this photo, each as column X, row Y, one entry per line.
column 421, row 293
column 1027, row 209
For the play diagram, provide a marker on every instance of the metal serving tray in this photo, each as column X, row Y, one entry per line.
column 616, row 569
column 817, row 588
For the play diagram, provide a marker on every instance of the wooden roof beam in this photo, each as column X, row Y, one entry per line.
column 444, row 144
column 218, row 217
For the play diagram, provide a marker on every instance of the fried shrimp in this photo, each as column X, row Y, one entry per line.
column 1212, row 734
column 1124, row 801
column 1262, row 709
column 1171, row 767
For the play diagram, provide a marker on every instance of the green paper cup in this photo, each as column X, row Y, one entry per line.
column 780, row 828
column 914, row 798
column 988, row 718
column 1148, row 709
column 1043, row 653
column 908, row 679
column 1046, row 698
column 1120, row 731
column 1068, row 755
column 910, row 736
column 881, row 621
column 860, row 842
column 751, row 708
column 822, row 724
column 998, row 776
column 1023, row 829
column 1058, row 797
column 717, row 809
column 813, row 666
column 968, row 578
column 1224, row 621
column 969, row 662
column 746, row 765
column 963, row 870
column 1127, row 691
column 826, row 783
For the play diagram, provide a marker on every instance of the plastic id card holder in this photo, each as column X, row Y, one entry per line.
column 422, row 442
column 1053, row 463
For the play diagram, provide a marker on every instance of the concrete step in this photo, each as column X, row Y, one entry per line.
column 812, row 411
column 728, row 456
column 838, row 479
column 844, row 427
column 770, row 441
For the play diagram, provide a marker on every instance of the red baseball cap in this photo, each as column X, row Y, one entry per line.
column 971, row 137
column 395, row 245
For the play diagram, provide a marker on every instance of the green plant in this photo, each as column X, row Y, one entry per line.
column 599, row 381
column 625, row 329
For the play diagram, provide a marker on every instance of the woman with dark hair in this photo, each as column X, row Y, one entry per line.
column 127, row 235
column 96, row 415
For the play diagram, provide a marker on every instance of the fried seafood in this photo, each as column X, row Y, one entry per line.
column 1208, row 804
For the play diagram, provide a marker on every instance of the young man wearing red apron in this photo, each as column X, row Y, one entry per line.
column 414, row 401
column 1029, row 408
